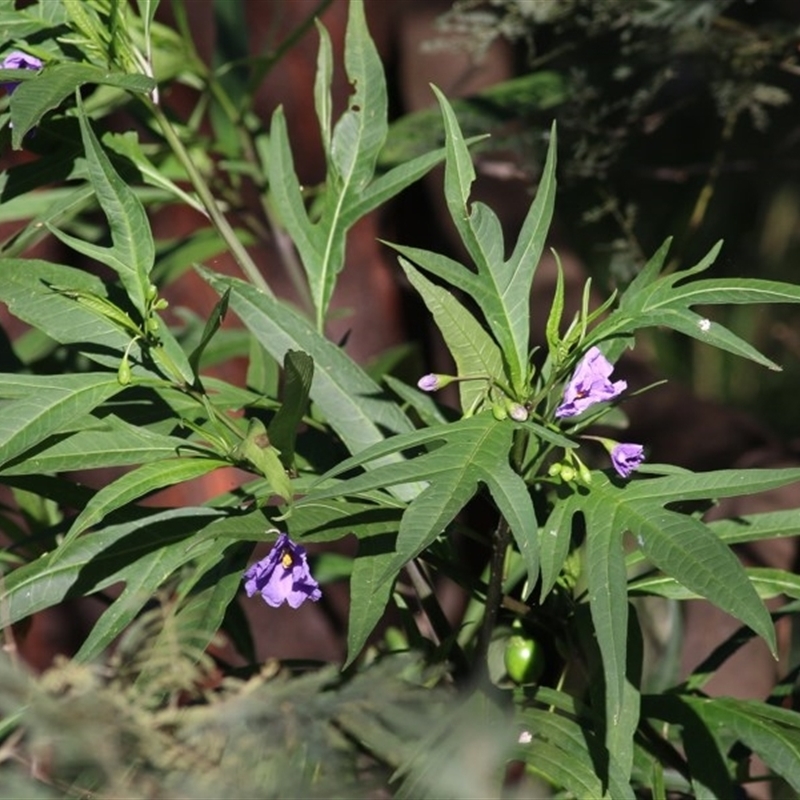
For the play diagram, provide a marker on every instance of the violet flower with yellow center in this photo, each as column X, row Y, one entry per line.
column 283, row 576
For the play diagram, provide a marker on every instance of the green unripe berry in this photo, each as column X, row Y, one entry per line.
column 124, row 372
column 568, row 473
column 524, row 659
column 500, row 412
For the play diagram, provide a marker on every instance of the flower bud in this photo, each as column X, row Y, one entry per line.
column 432, row 381
column 518, row 412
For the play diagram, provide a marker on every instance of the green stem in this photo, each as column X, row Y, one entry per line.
column 439, row 622
column 500, row 543
column 494, row 592
column 222, row 225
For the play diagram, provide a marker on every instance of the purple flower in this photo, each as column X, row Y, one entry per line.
column 283, row 576
column 18, row 60
column 589, row 384
column 626, row 458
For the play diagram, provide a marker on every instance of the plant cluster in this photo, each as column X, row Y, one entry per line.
column 545, row 671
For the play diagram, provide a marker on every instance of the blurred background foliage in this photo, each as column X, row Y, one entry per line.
column 676, row 118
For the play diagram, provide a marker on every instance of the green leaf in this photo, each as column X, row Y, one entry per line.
column 298, row 371
column 49, row 405
column 322, row 85
column 127, row 145
column 351, row 401
column 32, row 99
column 361, row 131
column 351, row 151
column 257, row 449
column 116, row 553
column 142, row 579
column 608, row 599
column 772, row 733
column 209, row 329
column 375, row 526
column 473, row 350
column 472, row 450
column 565, row 753
column 142, row 481
column 681, row 546
column 501, row 288
column 707, row 765
column 421, row 402
column 768, row 583
column 555, row 537
column 110, row 442
column 370, row 591
column 27, row 290
column 132, row 254
column 286, row 196
column 652, row 300
column 684, row 547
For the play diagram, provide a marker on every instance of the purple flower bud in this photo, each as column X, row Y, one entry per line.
column 429, row 383
column 626, row 458
column 518, row 412
column 283, row 576
column 589, row 384
column 18, row 60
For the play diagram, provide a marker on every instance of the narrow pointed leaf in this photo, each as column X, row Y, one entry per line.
column 351, row 401
column 136, row 484
column 132, row 253
column 51, row 404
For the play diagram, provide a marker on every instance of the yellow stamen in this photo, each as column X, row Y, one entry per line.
column 286, row 559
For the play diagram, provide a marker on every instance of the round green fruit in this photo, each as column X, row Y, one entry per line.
column 524, row 659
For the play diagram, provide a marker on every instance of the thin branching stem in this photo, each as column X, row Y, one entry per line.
column 222, row 225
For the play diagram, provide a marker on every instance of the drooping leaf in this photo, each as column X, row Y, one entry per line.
column 566, row 753
column 108, row 442
column 468, row 452
column 144, row 550
column 351, row 401
column 298, row 372
column 658, row 301
column 772, row 733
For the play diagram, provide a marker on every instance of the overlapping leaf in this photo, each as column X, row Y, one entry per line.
column 474, row 351
column 461, row 456
column 680, row 546
column 34, row 98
